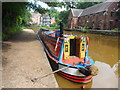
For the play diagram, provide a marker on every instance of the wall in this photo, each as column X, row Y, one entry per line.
column 101, row 20
column 35, row 18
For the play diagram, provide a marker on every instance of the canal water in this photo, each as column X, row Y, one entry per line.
column 104, row 51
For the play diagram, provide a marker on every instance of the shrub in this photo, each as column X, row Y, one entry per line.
column 53, row 25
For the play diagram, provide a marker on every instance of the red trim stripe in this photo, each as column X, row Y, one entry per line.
column 56, row 41
column 86, row 81
column 52, row 57
column 58, row 33
column 76, row 76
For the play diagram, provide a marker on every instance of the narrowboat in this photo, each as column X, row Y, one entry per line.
column 69, row 51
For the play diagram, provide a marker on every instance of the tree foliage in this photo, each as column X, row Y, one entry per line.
column 68, row 5
column 54, row 13
column 63, row 16
column 54, row 4
column 14, row 15
column 17, row 14
column 37, row 8
column 83, row 5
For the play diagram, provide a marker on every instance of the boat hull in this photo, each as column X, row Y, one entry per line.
column 70, row 73
column 73, row 74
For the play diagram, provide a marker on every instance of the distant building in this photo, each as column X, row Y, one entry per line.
column 45, row 19
column 35, row 18
column 52, row 20
column 105, row 15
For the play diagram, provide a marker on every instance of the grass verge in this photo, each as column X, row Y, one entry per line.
column 50, row 28
column 11, row 31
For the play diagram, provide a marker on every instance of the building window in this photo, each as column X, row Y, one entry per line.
column 112, row 14
column 101, row 13
column 90, row 15
column 118, row 4
column 105, row 13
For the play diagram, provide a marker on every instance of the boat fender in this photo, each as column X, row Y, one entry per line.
column 93, row 70
column 84, row 71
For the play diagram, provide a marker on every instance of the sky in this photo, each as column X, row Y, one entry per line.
column 44, row 5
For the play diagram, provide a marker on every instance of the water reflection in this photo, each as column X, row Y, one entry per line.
column 106, row 77
column 64, row 83
column 104, row 50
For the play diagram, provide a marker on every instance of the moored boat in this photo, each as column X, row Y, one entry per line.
column 70, row 51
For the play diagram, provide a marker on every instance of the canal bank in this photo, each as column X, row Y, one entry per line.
column 24, row 59
column 102, row 32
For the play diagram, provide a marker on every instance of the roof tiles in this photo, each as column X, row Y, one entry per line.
column 76, row 12
column 96, row 8
column 91, row 10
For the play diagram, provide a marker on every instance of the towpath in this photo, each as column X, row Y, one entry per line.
column 23, row 59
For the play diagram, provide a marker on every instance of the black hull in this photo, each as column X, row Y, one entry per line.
column 53, row 64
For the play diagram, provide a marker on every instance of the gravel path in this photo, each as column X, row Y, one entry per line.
column 23, row 59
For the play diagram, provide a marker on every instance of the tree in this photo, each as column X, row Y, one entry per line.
column 54, row 13
column 37, row 8
column 83, row 5
column 63, row 16
column 17, row 14
column 68, row 5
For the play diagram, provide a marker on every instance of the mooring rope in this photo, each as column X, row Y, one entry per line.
column 38, row 78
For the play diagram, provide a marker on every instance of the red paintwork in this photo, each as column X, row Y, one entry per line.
column 74, row 80
column 51, row 43
column 72, row 60
column 58, row 33
column 55, row 41
column 76, row 77
column 52, row 58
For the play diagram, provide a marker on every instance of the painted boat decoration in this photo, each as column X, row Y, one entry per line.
column 68, row 51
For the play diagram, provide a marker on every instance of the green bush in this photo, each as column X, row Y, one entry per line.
column 22, row 27
column 85, row 30
column 115, row 30
column 15, row 17
column 53, row 25
column 50, row 28
column 11, row 31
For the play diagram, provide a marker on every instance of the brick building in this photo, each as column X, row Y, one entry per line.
column 35, row 18
column 73, row 17
column 105, row 15
column 45, row 19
